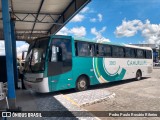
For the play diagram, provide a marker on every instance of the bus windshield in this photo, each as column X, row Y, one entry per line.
column 36, row 55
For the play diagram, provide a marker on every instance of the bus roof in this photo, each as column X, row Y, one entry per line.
column 110, row 43
column 104, row 42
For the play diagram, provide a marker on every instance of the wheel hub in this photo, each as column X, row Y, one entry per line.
column 138, row 76
column 82, row 83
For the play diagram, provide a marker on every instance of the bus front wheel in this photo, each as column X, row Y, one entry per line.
column 82, row 83
column 138, row 75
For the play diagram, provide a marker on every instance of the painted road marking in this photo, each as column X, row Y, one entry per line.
column 71, row 100
column 75, row 103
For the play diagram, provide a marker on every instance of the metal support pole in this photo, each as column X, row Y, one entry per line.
column 14, row 52
column 9, row 53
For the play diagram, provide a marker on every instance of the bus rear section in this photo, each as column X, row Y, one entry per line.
column 107, row 62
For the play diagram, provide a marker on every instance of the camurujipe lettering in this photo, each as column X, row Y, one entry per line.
column 136, row 62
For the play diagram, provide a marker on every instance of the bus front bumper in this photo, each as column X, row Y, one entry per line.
column 40, row 87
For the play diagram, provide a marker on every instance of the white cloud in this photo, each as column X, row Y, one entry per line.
column 2, row 48
column 63, row 31
column 22, row 48
column 128, row 28
column 100, row 17
column 19, row 49
column 78, row 31
column 97, row 33
column 103, row 30
column 103, row 39
column 1, row 44
column 99, row 37
column 85, row 9
column 93, row 20
column 150, row 32
column 78, row 18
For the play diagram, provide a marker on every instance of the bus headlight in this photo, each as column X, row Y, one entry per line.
column 39, row 79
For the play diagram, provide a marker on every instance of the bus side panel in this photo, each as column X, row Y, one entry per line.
column 100, row 70
column 115, row 69
column 148, row 68
column 84, row 65
column 107, row 70
column 61, row 82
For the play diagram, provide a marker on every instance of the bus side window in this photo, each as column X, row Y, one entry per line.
column 60, row 56
column 104, row 50
column 121, row 52
column 127, row 52
column 83, row 49
column 101, row 50
column 132, row 53
column 140, row 53
column 63, row 49
column 148, row 54
column 108, row 51
column 115, row 51
column 92, row 50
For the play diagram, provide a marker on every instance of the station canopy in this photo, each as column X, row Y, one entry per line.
column 37, row 18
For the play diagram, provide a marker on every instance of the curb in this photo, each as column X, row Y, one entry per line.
column 98, row 100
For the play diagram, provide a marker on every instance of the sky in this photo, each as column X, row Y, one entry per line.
column 20, row 46
column 117, row 21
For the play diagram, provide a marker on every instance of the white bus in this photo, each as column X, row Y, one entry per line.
column 62, row 62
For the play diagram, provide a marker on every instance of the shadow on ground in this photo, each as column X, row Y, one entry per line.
column 104, row 85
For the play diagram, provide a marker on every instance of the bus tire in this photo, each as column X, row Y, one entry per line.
column 82, row 83
column 138, row 75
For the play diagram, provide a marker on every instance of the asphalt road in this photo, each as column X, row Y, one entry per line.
column 131, row 95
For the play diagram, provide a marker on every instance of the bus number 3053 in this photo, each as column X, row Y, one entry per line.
column 112, row 62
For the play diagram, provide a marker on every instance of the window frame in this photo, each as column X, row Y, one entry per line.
column 62, row 66
column 146, row 54
column 117, row 53
column 89, row 43
column 106, row 54
column 60, row 47
column 143, row 57
column 131, row 49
